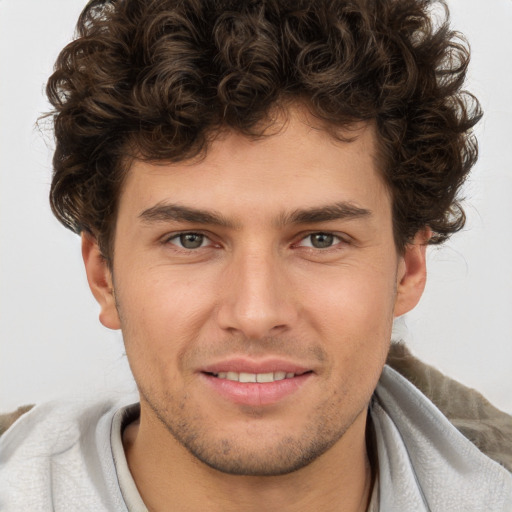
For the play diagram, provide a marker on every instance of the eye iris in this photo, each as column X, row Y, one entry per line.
column 191, row 240
column 322, row 240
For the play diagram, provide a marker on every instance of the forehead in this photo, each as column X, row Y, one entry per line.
column 298, row 165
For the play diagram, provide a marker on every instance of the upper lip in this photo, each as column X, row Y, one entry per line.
column 244, row 365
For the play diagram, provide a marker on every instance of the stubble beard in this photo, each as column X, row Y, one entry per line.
column 284, row 453
column 326, row 425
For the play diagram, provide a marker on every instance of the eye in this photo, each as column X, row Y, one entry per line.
column 320, row 240
column 189, row 240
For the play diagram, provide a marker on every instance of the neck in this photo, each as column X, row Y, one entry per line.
column 165, row 472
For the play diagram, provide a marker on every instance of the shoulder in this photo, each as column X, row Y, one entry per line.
column 60, row 423
column 58, row 452
column 475, row 417
column 52, row 427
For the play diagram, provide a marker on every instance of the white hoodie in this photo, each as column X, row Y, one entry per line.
column 68, row 457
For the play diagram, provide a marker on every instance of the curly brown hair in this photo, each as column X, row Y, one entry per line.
column 156, row 79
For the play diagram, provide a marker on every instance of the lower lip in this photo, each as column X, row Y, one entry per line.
column 255, row 394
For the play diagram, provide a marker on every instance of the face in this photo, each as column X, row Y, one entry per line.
column 256, row 290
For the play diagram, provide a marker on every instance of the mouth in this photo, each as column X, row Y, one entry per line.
column 253, row 384
column 260, row 378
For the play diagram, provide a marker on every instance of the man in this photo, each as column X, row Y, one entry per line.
column 255, row 184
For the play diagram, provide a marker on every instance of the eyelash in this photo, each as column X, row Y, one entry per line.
column 338, row 240
column 177, row 236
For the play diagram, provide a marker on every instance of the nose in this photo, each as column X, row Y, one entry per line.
column 256, row 296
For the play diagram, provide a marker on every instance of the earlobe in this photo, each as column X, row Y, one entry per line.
column 100, row 281
column 412, row 273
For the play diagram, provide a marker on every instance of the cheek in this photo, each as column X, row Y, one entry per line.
column 354, row 317
column 358, row 298
column 163, row 314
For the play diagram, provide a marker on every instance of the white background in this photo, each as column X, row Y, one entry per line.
column 51, row 343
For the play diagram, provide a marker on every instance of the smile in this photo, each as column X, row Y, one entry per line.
column 256, row 388
column 245, row 377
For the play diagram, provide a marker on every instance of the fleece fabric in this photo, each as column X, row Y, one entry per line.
column 67, row 456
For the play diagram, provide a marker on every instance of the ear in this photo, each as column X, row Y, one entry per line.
column 100, row 281
column 412, row 273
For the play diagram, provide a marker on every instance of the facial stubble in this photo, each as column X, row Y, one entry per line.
column 275, row 453
column 280, row 455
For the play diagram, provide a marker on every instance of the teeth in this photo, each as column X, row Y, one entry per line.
column 255, row 377
column 247, row 377
column 264, row 377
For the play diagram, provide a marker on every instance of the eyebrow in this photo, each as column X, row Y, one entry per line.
column 337, row 211
column 165, row 212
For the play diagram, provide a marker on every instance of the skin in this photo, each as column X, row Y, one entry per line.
column 259, row 286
